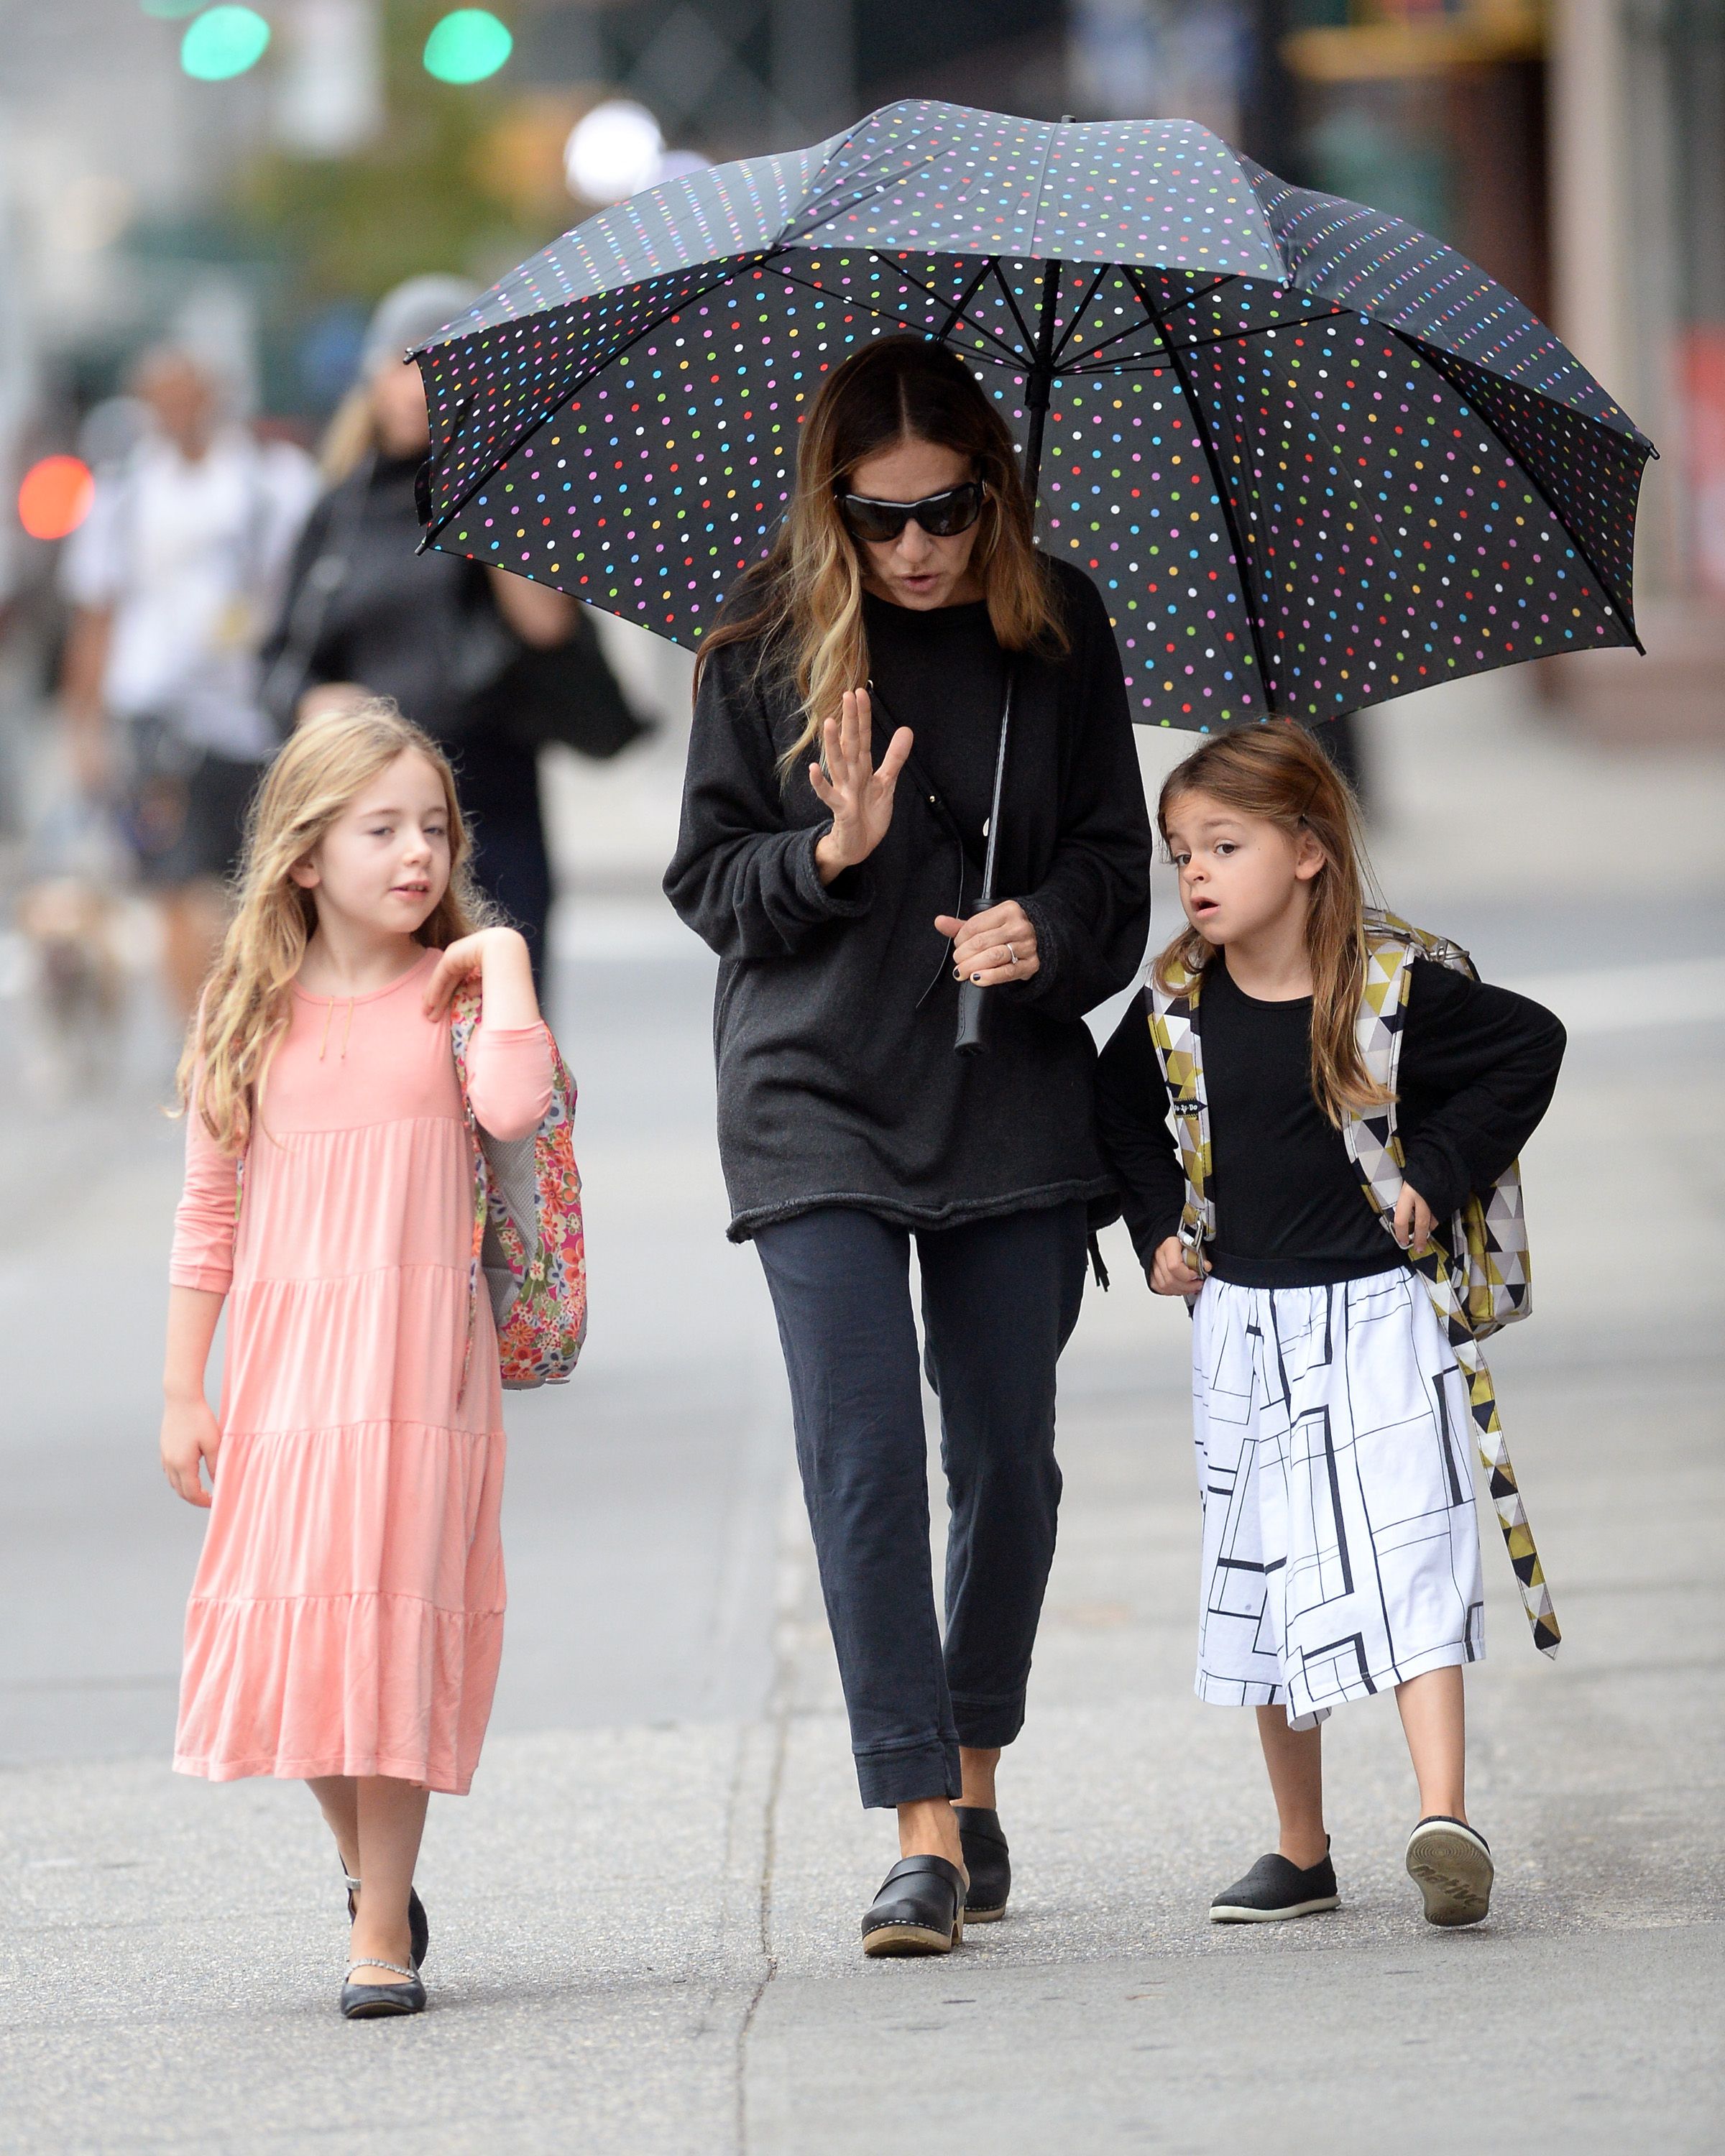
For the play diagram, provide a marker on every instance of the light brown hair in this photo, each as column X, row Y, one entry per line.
column 804, row 602
column 247, row 998
column 1278, row 773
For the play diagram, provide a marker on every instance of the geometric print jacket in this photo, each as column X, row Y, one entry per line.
column 1476, row 1271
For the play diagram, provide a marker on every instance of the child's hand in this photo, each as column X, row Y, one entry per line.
column 191, row 1438
column 1170, row 1274
column 1414, row 1219
column 498, row 956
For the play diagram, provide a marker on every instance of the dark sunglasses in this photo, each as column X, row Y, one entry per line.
column 940, row 515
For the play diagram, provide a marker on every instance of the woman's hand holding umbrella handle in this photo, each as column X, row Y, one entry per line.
column 997, row 944
column 846, row 782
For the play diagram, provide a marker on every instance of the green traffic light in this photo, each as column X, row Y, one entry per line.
column 223, row 43
column 467, row 46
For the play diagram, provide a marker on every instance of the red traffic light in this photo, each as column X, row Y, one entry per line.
column 54, row 496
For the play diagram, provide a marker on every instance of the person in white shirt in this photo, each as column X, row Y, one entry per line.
column 172, row 577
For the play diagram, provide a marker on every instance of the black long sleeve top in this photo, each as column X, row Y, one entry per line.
column 1478, row 1068
column 835, row 1008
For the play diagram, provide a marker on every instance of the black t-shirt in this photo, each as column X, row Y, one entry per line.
column 1478, row 1067
column 942, row 674
column 1284, row 1186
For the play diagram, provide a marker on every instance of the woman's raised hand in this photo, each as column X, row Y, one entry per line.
column 859, row 797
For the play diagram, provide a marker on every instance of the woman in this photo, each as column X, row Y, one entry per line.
column 869, row 654
column 464, row 651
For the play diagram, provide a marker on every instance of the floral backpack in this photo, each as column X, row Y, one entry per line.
column 1476, row 1269
column 527, row 1244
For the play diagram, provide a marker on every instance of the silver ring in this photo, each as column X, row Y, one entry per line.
column 1012, row 955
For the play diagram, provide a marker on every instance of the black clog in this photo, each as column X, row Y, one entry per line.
column 919, row 1910
column 988, row 1862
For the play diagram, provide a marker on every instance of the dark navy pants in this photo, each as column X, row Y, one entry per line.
column 1000, row 1299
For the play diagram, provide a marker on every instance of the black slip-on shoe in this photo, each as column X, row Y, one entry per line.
column 1274, row 1889
column 987, row 1860
column 418, row 1923
column 919, row 1910
column 377, row 2002
column 1448, row 1861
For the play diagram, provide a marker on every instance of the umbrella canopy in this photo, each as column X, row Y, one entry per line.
column 1310, row 457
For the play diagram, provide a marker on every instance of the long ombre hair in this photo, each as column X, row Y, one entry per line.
column 247, row 998
column 1279, row 773
column 803, row 604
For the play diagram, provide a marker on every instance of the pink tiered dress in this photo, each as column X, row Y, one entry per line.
column 347, row 1613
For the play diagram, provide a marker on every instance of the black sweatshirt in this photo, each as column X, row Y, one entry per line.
column 835, row 1008
column 1478, row 1068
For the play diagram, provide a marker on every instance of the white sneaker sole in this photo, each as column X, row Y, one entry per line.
column 1453, row 1870
column 1236, row 1912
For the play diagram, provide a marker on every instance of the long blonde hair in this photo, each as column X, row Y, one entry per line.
column 1279, row 773
column 803, row 604
column 247, row 998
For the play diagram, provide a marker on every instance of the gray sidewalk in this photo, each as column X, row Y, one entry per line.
column 643, row 1918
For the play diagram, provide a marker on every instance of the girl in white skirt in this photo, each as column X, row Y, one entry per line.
column 1340, row 1554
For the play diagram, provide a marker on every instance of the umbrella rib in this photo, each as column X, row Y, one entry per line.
column 1230, row 279
column 961, row 303
column 838, row 208
column 889, row 314
column 1079, row 366
column 1575, row 540
column 1025, row 329
column 1264, row 329
column 574, row 389
column 1073, row 318
column 1224, row 502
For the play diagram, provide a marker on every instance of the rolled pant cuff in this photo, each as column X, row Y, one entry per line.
column 988, row 1725
column 913, row 1776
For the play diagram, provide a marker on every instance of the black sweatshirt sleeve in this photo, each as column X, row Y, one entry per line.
column 1137, row 1140
column 743, row 877
column 1479, row 1066
column 1091, row 911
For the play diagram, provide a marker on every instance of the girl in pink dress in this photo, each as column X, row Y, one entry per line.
column 347, row 1615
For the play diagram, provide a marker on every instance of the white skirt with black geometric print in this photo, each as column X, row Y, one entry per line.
column 1341, row 1552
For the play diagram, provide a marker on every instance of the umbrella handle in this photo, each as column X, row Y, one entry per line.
column 971, row 1001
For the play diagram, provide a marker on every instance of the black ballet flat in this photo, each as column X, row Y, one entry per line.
column 919, row 1910
column 377, row 2002
column 986, row 1859
column 418, row 1923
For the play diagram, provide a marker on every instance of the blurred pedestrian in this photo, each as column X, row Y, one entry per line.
column 347, row 1618
column 1341, row 1548
column 840, row 908
column 489, row 664
column 173, row 577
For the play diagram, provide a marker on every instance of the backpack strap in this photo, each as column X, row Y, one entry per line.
column 1375, row 1149
column 1175, row 1036
column 464, row 1017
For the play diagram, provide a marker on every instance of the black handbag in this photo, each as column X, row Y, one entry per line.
column 564, row 693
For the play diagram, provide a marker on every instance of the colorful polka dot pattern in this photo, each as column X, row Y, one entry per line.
column 1375, row 264
column 1291, row 508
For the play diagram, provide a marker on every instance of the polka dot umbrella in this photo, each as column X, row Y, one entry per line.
column 1312, row 458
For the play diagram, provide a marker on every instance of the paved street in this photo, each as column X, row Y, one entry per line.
column 643, row 1918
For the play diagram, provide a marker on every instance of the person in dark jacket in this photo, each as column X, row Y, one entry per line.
column 456, row 645
column 840, row 775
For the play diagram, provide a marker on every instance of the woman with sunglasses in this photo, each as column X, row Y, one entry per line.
column 841, row 776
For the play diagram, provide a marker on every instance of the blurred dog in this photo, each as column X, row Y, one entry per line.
column 72, row 932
